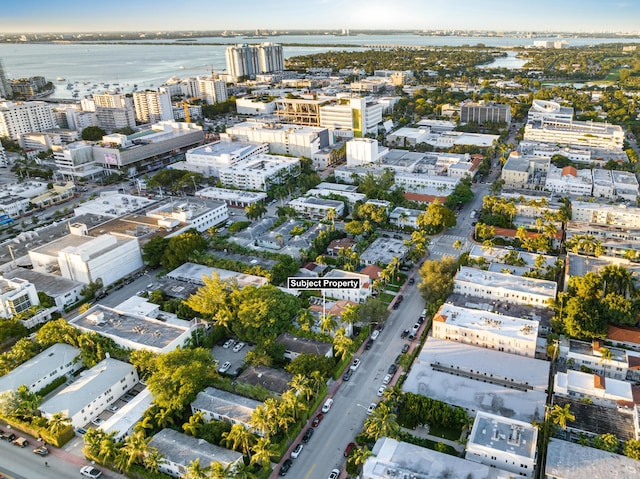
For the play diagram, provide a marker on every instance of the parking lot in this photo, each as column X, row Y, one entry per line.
column 236, row 358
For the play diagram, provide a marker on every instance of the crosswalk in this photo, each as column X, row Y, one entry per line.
column 443, row 246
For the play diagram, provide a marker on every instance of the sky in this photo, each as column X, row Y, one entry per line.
column 22, row 16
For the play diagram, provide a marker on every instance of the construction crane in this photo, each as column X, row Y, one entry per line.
column 186, row 104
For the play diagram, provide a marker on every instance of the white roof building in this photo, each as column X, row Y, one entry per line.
column 604, row 214
column 200, row 214
column 219, row 405
column 549, row 110
column 316, row 207
column 509, row 444
column 479, row 379
column 92, row 392
column 575, row 133
column 569, row 181
column 504, row 287
column 236, row 198
column 16, row 295
column 209, row 158
column 600, row 389
column 486, row 329
column 568, row 460
column 124, row 420
column 404, row 217
column 179, row 450
column 363, row 151
column 87, row 259
column 395, row 459
column 258, row 172
column 383, row 250
column 44, row 368
column 193, row 273
column 357, row 295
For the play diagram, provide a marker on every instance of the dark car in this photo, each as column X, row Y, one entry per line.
column 405, row 348
column 307, row 435
column 398, row 358
column 420, row 320
column 347, row 375
column 286, row 465
column 369, row 344
column 405, row 333
column 392, row 369
column 412, row 280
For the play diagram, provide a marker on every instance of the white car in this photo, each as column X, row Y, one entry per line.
column 381, row 390
column 355, row 364
column 334, row 474
column 228, row 344
column 238, row 347
column 371, row 407
column 225, row 367
column 90, row 471
column 375, row 335
column 97, row 421
column 327, row 405
column 296, row 452
column 386, row 379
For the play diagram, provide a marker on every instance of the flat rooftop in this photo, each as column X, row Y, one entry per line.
column 147, row 332
column 507, row 282
column 193, row 273
column 51, row 284
column 228, row 148
column 383, row 250
column 568, row 460
column 513, row 437
column 225, row 194
column 480, row 379
column 478, row 320
column 182, row 449
column 597, row 419
column 337, row 187
column 226, row 404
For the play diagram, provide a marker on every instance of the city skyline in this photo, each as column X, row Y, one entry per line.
column 146, row 15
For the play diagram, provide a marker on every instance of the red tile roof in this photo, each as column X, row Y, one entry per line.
column 598, row 381
column 569, row 170
column 624, row 334
column 373, row 271
column 511, row 233
column 424, row 198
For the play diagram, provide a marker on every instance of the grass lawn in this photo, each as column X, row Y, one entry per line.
column 393, row 287
column 386, row 297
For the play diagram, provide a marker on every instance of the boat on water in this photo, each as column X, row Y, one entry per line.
column 60, row 79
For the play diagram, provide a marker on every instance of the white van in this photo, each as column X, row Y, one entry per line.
column 327, row 405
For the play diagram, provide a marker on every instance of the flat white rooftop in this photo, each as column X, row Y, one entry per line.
column 193, row 273
column 496, row 432
column 507, row 282
column 479, row 320
column 480, row 379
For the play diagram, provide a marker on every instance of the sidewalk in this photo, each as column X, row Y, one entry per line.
column 423, row 432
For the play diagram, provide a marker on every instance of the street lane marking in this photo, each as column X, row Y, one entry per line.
column 310, row 471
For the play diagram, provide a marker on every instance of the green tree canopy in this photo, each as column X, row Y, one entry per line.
column 437, row 279
column 180, row 247
column 93, row 133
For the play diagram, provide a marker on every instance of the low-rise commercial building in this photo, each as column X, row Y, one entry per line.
column 575, row 133
column 197, row 214
column 233, row 198
column 605, row 214
column 383, row 251
column 192, row 273
column 63, row 291
column 317, row 207
column 209, row 159
column 16, row 296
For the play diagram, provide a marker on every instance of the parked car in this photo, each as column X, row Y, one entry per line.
column 7, row 436
column 82, row 431
column 225, row 367
column 369, row 344
column 228, row 344
column 375, row 335
column 113, row 408
column 238, row 347
column 416, row 327
column 371, row 407
column 334, row 474
column 296, row 452
column 347, row 375
column 90, row 471
column 97, row 421
column 381, row 390
column 20, row 442
column 41, row 451
column 404, row 334
column 317, row 420
column 307, row 435
column 355, row 364
column 392, row 369
column 405, row 348
column 412, row 280
column 347, row 450
column 286, row 465
column 420, row 320
column 327, row 405
column 386, row 379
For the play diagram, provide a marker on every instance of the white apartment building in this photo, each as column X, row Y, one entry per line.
column 576, row 134
column 19, row 118
column 364, row 151
column 199, row 214
column 549, row 110
column 16, row 295
column 504, row 287
column 75, row 161
column 283, row 139
column 601, row 390
column 179, row 451
column 314, row 207
column 238, row 198
column 254, row 106
column 259, row 172
column 404, row 217
column 325, row 192
column 113, row 110
column 78, row 256
column 152, row 106
column 357, row 295
column 569, row 181
column 426, row 184
column 41, row 370
column 216, row 404
column 623, row 364
column 603, row 214
column 486, row 329
column 481, row 113
column 92, row 392
column 250, row 60
column 212, row 90
column 209, row 159
column 352, row 117
column 508, row 444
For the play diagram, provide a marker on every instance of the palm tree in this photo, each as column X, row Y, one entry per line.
column 218, row 471
column 328, row 322
column 146, row 423
column 58, row 423
column 243, row 471
column 302, row 386
column 262, row 420
column 605, row 355
column 360, row 455
column 457, row 245
column 92, row 440
column 331, row 216
column 291, row 403
column 240, row 437
column 342, row 344
column 559, row 415
column 262, row 452
column 381, row 423
column 121, row 462
column 196, row 421
column 195, row 470
column 136, row 447
column 108, row 449
column 349, row 314
column 305, row 319
column 164, row 418
column 152, row 461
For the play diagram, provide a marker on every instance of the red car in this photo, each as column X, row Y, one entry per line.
column 317, row 420
column 347, row 449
